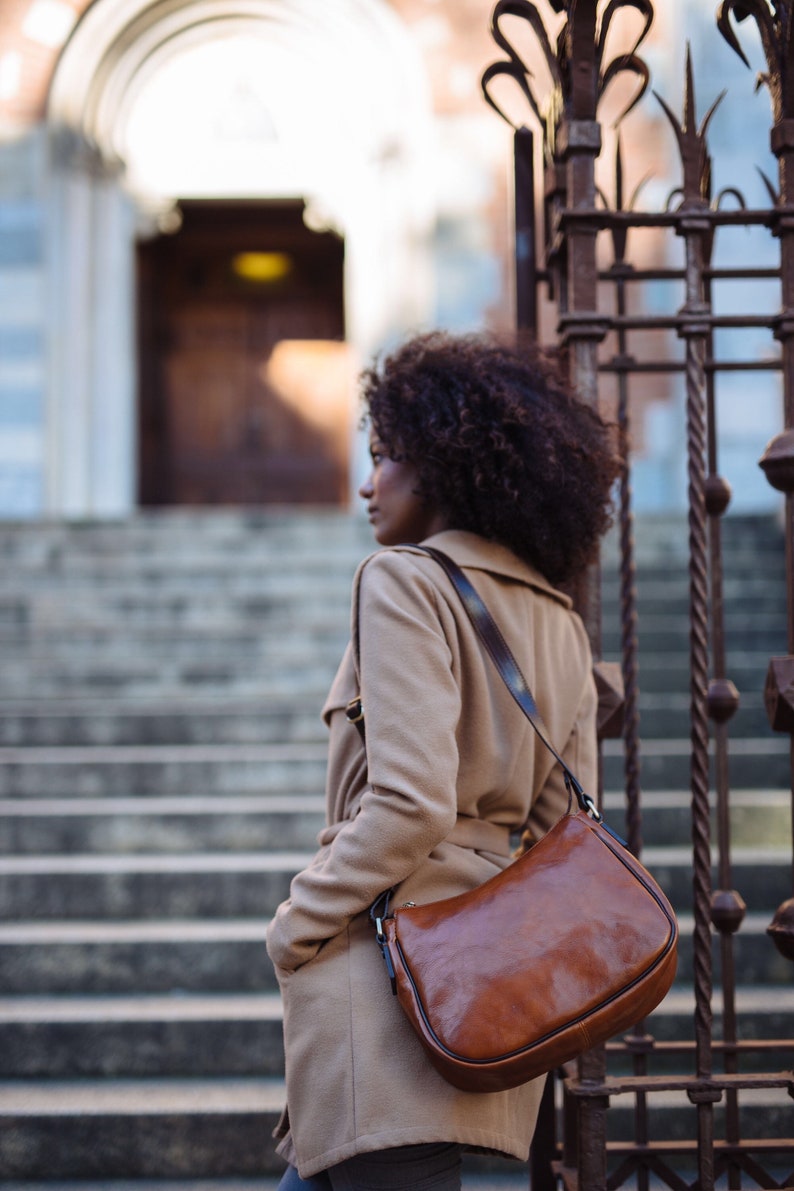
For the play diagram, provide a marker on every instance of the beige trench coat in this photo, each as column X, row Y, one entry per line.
column 452, row 768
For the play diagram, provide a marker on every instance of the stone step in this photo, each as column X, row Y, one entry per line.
column 293, row 642
column 193, row 885
column 746, row 575
column 187, row 531
column 668, row 672
column 185, row 604
column 212, row 1128
column 658, row 634
column 254, row 573
column 133, row 583
column 207, row 561
column 765, row 1114
column 266, row 562
column 665, row 535
column 148, row 956
column 171, row 680
column 293, row 669
column 764, row 1013
column 179, row 824
column 162, row 770
column 140, row 1035
column 139, row 1128
column 112, row 956
column 295, row 716
column 280, row 538
column 235, row 636
column 666, row 715
column 665, row 764
column 250, row 655
column 251, row 567
column 240, row 884
column 233, row 823
column 763, row 875
column 253, row 654
column 317, row 600
column 191, row 531
column 755, row 586
column 665, row 718
column 758, row 818
column 228, row 1034
column 656, row 537
column 289, row 716
column 755, row 957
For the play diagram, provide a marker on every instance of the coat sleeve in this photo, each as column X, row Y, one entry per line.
column 411, row 702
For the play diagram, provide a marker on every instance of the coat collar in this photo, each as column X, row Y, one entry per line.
column 471, row 550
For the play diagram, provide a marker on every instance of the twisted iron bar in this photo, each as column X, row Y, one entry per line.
column 628, row 570
column 699, row 670
column 695, row 192
column 699, row 676
column 628, row 640
column 694, row 328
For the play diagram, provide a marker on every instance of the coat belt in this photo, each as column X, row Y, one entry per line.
column 480, row 836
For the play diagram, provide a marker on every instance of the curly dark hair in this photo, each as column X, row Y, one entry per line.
column 502, row 446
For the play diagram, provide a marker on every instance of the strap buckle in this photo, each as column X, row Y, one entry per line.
column 377, row 912
column 589, row 807
column 355, row 711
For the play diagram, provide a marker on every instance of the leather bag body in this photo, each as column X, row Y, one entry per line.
column 566, row 947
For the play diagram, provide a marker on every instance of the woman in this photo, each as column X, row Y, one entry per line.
column 483, row 451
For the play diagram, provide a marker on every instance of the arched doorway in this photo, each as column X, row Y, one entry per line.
column 185, row 137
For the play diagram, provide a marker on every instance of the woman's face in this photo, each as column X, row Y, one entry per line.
column 396, row 511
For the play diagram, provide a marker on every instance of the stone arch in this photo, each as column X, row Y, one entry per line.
column 347, row 127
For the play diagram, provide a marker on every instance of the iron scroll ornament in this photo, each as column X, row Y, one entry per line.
column 559, row 60
column 776, row 29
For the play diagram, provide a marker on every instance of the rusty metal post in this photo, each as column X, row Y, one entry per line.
column 544, row 1143
column 694, row 327
column 695, row 332
column 582, row 329
column 578, row 144
column 778, row 459
column 727, row 905
column 526, row 285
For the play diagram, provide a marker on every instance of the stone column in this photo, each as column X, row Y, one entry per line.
column 91, row 448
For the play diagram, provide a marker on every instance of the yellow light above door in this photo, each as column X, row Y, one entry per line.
column 262, row 267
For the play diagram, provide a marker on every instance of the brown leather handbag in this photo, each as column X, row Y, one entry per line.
column 569, row 945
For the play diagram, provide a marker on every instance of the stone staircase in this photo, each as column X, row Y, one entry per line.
column 161, row 775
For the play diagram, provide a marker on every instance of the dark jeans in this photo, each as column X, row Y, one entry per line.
column 407, row 1168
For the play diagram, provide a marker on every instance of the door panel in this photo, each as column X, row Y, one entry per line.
column 246, row 392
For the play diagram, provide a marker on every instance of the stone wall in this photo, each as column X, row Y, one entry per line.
column 22, row 325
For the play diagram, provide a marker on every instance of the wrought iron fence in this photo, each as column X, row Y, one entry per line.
column 581, row 260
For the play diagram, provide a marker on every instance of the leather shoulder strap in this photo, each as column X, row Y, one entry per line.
column 503, row 659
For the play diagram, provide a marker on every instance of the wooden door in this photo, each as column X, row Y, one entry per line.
column 245, row 378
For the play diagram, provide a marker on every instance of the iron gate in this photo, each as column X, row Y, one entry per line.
column 581, row 258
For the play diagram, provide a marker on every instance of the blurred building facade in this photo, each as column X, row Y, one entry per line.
column 213, row 213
